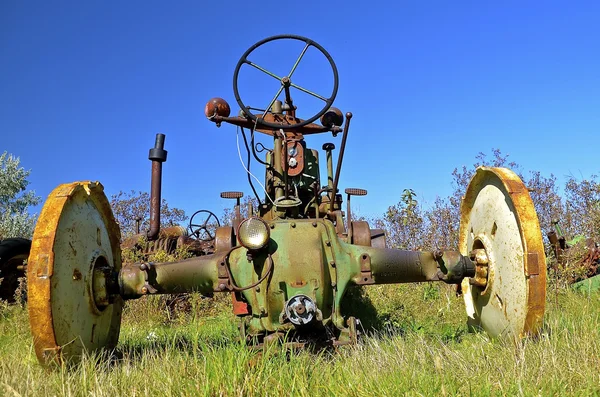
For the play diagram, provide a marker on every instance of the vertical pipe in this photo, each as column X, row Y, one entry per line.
column 158, row 156
column 238, row 216
column 329, row 157
column 340, row 159
column 277, row 166
column 349, row 220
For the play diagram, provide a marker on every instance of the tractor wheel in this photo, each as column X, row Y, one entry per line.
column 75, row 254
column 13, row 252
column 499, row 229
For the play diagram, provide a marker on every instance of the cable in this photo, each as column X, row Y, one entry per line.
column 254, row 149
column 235, row 287
column 237, row 138
column 249, row 160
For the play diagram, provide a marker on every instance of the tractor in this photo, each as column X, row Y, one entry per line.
column 288, row 266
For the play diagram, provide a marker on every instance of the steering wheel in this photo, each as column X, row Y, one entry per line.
column 286, row 81
column 206, row 230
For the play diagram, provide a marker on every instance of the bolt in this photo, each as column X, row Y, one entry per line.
column 144, row 290
column 272, row 226
column 332, row 263
column 257, row 289
column 328, row 243
column 479, row 256
column 293, row 224
column 314, row 224
column 222, row 286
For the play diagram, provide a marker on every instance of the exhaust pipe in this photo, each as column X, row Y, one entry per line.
column 158, row 156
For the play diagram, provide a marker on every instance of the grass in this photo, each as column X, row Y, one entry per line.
column 420, row 347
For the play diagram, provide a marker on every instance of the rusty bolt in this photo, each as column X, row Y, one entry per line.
column 479, row 256
column 144, row 290
column 222, row 286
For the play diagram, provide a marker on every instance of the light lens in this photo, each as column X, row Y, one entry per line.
column 253, row 233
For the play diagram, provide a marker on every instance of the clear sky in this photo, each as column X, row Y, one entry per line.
column 86, row 85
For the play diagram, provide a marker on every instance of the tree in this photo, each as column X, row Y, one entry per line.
column 403, row 222
column 15, row 221
column 128, row 207
column 436, row 227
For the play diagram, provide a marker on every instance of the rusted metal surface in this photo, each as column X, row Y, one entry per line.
column 217, row 107
column 286, row 123
column 361, row 233
column 294, row 156
column 333, row 117
column 479, row 256
column 64, row 320
column 354, row 192
column 592, row 258
column 586, row 262
column 158, row 156
column 528, row 237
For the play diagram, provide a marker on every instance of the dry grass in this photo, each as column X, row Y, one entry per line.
column 421, row 348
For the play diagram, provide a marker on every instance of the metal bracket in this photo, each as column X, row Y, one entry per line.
column 366, row 277
column 223, row 281
column 147, row 288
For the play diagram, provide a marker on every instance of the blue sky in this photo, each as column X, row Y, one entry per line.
column 86, row 85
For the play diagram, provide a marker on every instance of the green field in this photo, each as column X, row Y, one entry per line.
column 420, row 347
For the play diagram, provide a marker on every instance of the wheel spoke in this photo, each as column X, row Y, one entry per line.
column 263, row 70
column 272, row 101
column 298, row 61
column 308, row 92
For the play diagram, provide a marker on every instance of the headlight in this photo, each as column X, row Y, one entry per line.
column 253, row 233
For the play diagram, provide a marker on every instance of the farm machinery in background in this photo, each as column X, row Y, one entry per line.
column 582, row 267
column 196, row 240
column 288, row 266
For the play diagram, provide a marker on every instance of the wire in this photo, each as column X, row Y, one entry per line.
column 237, row 139
column 254, row 149
column 239, row 289
column 249, row 161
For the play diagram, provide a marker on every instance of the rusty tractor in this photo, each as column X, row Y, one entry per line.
column 587, row 263
column 288, row 266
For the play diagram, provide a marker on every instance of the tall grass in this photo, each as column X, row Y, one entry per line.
column 420, row 347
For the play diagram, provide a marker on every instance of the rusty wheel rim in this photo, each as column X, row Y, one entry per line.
column 498, row 216
column 76, row 234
